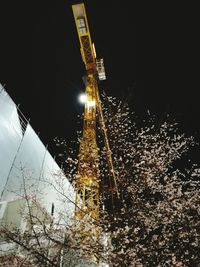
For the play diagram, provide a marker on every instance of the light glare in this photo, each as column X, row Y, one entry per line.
column 83, row 98
column 91, row 103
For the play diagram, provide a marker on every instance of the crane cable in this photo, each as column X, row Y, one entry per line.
column 108, row 150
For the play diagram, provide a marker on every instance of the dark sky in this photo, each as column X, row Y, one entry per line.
column 42, row 70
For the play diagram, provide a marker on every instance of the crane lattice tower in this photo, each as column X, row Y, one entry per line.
column 87, row 181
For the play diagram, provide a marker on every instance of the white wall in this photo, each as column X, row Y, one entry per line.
column 25, row 160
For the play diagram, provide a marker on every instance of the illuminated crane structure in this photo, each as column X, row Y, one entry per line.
column 87, row 181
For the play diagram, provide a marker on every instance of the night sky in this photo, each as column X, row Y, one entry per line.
column 42, row 69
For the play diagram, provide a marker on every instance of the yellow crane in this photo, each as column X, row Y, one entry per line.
column 87, row 181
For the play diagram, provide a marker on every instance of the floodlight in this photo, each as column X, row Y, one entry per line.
column 83, row 98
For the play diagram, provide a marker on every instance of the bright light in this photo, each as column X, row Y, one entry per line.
column 90, row 103
column 83, row 98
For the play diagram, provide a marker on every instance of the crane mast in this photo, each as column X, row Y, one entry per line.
column 87, row 180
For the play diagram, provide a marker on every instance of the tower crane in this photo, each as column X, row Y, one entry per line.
column 88, row 176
